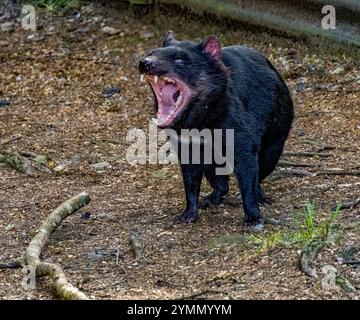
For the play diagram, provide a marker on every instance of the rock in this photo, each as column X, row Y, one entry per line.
column 7, row 26
column 101, row 166
column 102, row 254
column 9, row 227
column 112, row 105
column 61, row 168
column 147, row 35
column 4, row 103
column 86, row 215
column 338, row 70
column 75, row 16
column 82, row 30
column 316, row 69
column 272, row 221
column 110, row 30
column 285, row 66
column 35, row 37
column 109, row 92
column 300, row 85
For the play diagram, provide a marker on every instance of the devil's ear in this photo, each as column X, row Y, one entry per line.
column 169, row 37
column 211, row 46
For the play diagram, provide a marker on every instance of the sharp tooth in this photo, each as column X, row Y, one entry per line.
column 169, row 80
column 142, row 78
column 156, row 79
column 154, row 120
column 179, row 100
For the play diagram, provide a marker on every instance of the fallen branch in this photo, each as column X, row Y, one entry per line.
column 338, row 173
column 307, row 154
column 9, row 140
column 16, row 161
column 202, row 293
column 290, row 172
column 287, row 163
column 32, row 253
column 11, row 265
column 308, row 257
column 347, row 205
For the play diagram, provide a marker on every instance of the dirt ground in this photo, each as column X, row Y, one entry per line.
column 55, row 79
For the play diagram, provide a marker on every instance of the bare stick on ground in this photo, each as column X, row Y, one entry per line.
column 63, row 288
column 287, row 163
column 307, row 154
column 9, row 140
column 331, row 172
column 348, row 205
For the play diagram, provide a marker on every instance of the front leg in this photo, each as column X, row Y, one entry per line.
column 247, row 174
column 192, row 176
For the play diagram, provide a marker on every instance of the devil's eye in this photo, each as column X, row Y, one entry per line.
column 179, row 62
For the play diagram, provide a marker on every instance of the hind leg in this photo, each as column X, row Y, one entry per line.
column 268, row 158
column 261, row 196
column 220, row 187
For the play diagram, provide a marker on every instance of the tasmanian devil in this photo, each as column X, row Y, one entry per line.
column 203, row 86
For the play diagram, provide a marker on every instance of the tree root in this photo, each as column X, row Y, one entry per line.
column 32, row 253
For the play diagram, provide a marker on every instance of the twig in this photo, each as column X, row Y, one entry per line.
column 338, row 173
column 9, row 140
column 290, row 172
column 347, row 205
column 11, row 265
column 307, row 154
column 97, row 61
column 195, row 295
column 287, row 163
column 32, row 253
column 28, row 154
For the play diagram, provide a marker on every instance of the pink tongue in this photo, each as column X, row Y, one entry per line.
column 168, row 95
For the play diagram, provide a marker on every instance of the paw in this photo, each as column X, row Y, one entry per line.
column 255, row 223
column 211, row 200
column 187, row 216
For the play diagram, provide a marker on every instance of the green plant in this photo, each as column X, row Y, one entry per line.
column 55, row 5
column 305, row 228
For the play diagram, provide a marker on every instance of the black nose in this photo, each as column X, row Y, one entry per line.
column 146, row 66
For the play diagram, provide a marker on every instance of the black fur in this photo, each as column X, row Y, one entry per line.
column 235, row 88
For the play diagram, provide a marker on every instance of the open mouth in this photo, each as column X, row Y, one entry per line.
column 172, row 95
